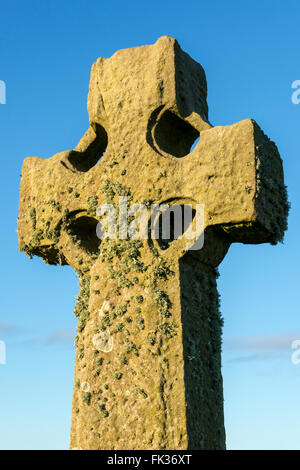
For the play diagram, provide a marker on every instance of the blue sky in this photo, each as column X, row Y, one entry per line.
column 250, row 52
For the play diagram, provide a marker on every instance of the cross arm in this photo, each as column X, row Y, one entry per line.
column 236, row 171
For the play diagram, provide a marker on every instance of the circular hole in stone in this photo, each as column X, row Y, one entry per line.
column 84, row 161
column 174, row 136
column 171, row 225
column 83, row 232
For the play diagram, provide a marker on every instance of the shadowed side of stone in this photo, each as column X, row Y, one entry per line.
column 201, row 332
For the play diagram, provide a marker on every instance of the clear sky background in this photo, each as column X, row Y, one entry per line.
column 250, row 52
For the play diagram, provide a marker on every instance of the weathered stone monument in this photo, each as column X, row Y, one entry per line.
column 148, row 349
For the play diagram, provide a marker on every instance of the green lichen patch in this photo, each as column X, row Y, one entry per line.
column 163, row 302
column 55, row 204
column 82, row 302
column 127, row 251
column 119, row 277
column 141, row 323
column 102, row 409
column 81, row 352
column 118, row 375
column 32, row 216
column 111, row 189
column 92, row 204
column 123, row 360
column 86, row 398
column 150, row 340
column 130, row 347
column 162, row 271
column 168, row 329
column 120, row 310
column 141, row 392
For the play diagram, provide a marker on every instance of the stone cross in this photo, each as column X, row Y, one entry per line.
column 148, row 348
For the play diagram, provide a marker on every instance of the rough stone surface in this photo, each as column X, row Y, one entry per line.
column 148, row 359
